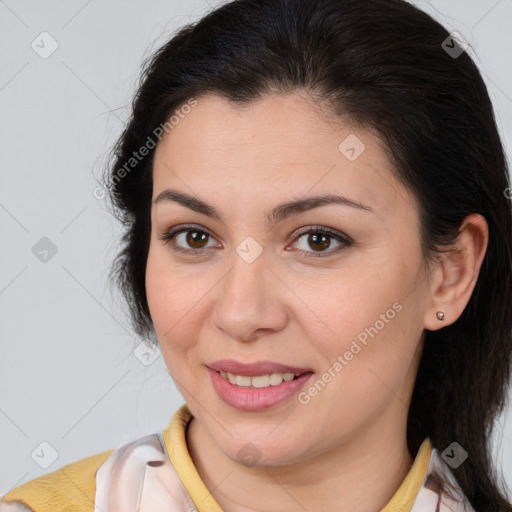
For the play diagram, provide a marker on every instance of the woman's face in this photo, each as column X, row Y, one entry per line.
column 266, row 283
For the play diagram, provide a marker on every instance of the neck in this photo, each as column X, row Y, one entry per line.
column 360, row 474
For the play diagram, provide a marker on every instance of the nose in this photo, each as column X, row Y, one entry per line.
column 250, row 302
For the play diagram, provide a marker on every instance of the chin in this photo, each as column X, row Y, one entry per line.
column 261, row 453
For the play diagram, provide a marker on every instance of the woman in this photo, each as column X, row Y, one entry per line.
column 318, row 237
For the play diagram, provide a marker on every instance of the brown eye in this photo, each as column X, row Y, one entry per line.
column 319, row 242
column 187, row 239
column 196, row 239
column 320, row 239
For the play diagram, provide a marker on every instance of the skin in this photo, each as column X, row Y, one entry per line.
column 285, row 307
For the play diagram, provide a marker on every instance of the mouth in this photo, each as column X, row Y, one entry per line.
column 259, row 381
column 256, row 386
column 258, row 369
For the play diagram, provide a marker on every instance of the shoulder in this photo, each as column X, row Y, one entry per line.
column 92, row 483
column 72, row 484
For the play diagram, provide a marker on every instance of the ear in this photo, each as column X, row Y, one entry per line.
column 454, row 279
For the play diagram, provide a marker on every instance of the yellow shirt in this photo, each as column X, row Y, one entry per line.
column 72, row 488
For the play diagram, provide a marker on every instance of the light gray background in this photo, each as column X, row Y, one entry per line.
column 68, row 373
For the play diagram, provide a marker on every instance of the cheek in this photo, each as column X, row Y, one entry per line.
column 158, row 291
column 176, row 303
column 166, row 294
column 372, row 356
column 349, row 304
column 366, row 323
column 165, row 306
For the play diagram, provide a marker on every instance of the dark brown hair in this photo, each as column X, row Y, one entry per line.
column 382, row 65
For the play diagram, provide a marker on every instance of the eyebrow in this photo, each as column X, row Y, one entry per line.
column 276, row 215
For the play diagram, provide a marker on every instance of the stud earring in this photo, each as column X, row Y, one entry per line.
column 440, row 315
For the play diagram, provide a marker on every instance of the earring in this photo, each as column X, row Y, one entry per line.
column 440, row 315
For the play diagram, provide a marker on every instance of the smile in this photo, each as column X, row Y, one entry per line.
column 257, row 392
column 258, row 381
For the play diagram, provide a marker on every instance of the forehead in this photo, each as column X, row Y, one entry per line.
column 278, row 146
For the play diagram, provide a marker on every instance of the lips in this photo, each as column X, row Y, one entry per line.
column 254, row 399
column 256, row 368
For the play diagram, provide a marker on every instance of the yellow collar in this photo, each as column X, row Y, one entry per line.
column 175, row 440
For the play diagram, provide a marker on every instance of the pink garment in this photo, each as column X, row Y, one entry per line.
column 140, row 477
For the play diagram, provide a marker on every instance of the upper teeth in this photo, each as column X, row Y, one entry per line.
column 258, row 381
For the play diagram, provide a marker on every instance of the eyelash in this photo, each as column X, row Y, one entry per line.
column 167, row 237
